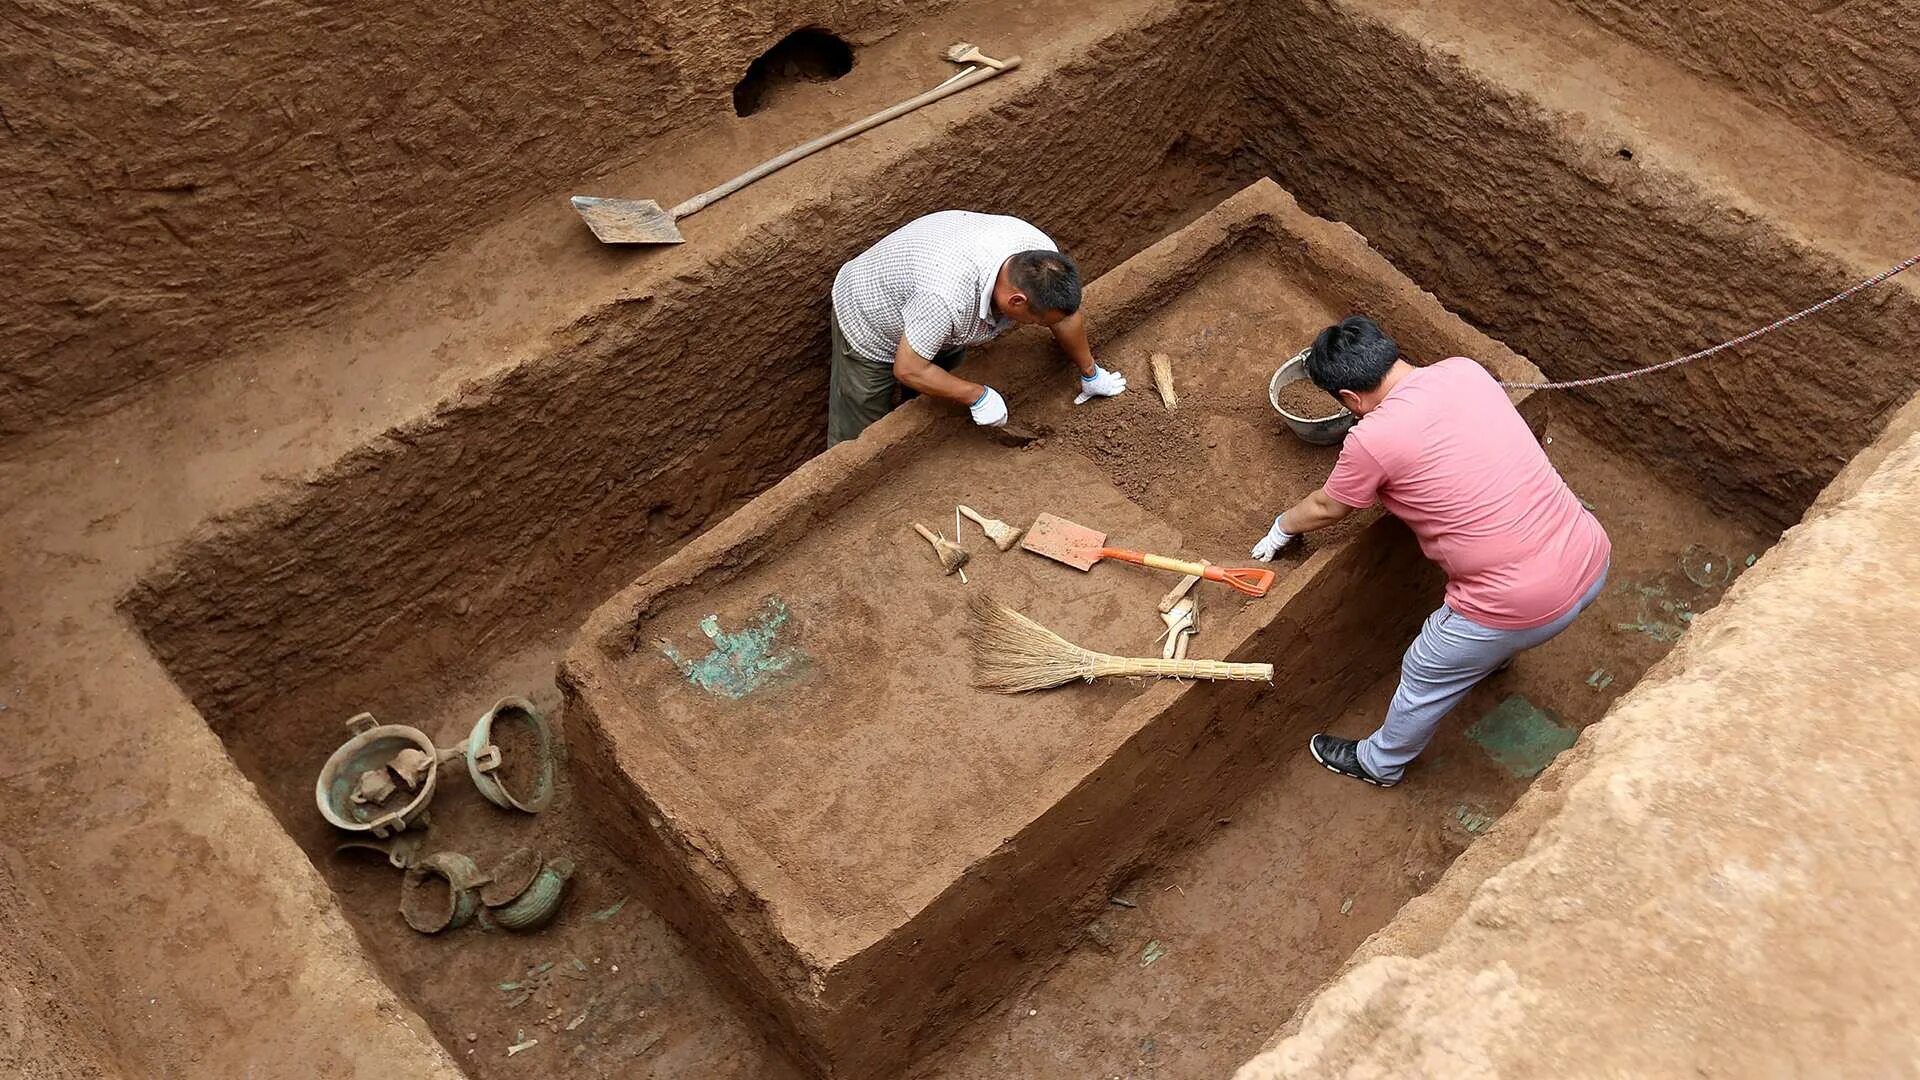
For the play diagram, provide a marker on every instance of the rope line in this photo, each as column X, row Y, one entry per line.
column 1572, row 384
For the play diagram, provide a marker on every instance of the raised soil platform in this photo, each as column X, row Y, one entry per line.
column 870, row 847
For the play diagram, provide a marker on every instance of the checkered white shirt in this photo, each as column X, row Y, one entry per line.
column 931, row 281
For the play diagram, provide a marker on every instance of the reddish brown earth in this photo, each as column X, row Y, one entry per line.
column 215, row 182
column 48, row 1005
column 1250, row 916
column 1577, row 135
column 866, row 844
column 1848, row 73
column 520, row 759
column 1304, row 399
column 1248, row 913
column 298, row 474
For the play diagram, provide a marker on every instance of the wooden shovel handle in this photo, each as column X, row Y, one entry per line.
column 1252, row 582
column 774, row 165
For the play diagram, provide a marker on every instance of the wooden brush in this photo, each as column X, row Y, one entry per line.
column 1163, row 380
column 966, row 52
column 1003, row 535
column 1013, row 654
column 952, row 555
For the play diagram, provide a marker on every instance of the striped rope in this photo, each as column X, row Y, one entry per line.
column 1573, row 384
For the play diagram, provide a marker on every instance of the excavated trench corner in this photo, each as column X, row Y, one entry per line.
column 778, row 722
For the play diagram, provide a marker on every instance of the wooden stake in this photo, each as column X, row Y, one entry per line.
column 1163, row 380
column 1174, row 594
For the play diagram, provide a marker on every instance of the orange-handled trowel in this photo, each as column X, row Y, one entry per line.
column 1080, row 547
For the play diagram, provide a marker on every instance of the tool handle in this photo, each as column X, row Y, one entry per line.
column 774, row 165
column 1178, row 566
column 973, row 515
column 1251, row 582
column 926, row 532
column 1185, row 669
column 1158, row 562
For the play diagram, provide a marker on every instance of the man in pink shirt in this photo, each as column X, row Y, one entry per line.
column 1442, row 449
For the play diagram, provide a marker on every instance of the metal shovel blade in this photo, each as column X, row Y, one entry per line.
column 1063, row 541
column 627, row 221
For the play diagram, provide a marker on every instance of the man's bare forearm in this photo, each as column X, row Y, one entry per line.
column 1317, row 511
column 923, row 376
column 1071, row 334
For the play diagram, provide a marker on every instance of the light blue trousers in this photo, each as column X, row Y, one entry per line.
column 1451, row 654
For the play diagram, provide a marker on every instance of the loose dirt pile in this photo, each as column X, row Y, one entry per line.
column 1307, row 401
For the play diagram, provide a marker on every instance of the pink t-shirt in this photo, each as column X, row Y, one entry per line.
column 1448, row 454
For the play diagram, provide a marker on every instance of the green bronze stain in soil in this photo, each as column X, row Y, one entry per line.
column 741, row 662
column 1523, row 739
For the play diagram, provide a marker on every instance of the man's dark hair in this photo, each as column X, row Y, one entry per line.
column 1049, row 278
column 1353, row 354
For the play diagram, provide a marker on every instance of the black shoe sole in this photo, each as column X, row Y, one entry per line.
column 1361, row 776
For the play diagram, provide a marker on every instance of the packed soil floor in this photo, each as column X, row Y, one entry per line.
column 1246, row 923
column 120, row 806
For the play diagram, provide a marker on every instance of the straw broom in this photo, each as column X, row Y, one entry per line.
column 1013, row 654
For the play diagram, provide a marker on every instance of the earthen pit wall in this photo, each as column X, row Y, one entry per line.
column 1530, row 227
column 1422, row 925
column 250, row 268
column 1196, row 749
column 526, row 498
column 251, row 575
column 183, row 185
column 1018, row 910
column 1615, row 857
column 381, row 547
column 1848, row 73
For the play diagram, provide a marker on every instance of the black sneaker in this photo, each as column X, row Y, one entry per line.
column 1343, row 756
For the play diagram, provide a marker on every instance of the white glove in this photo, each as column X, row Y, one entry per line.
column 990, row 410
column 1270, row 544
column 1102, row 383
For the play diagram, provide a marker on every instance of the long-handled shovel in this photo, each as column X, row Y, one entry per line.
column 642, row 221
column 1080, row 547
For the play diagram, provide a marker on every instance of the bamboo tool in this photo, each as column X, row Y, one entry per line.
column 1175, row 594
column 1003, row 535
column 642, row 221
column 952, row 555
column 1013, row 654
column 966, row 52
column 1187, row 632
column 1080, row 547
column 1180, row 627
column 1163, row 380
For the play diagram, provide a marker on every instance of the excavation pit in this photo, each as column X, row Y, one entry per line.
column 388, row 579
column 870, row 847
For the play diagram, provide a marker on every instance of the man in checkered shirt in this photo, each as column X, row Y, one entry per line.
column 906, row 309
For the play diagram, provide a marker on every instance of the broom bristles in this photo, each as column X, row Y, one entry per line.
column 952, row 555
column 1013, row 654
